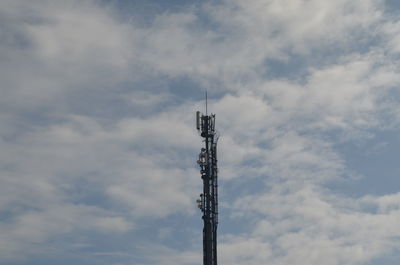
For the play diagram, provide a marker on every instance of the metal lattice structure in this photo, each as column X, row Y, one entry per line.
column 208, row 202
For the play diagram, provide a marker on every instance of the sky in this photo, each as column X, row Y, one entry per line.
column 98, row 144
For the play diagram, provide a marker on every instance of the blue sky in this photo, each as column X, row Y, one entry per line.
column 98, row 142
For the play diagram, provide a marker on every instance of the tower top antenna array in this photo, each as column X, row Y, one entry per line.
column 208, row 201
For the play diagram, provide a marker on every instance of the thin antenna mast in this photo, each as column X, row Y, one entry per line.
column 206, row 103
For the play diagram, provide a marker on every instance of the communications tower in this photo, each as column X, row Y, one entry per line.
column 208, row 202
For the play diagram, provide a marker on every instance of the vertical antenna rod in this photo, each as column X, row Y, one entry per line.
column 206, row 103
column 208, row 202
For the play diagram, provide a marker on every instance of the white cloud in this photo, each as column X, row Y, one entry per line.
column 168, row 256
column 29, row 230
column 52, row 169
column 303, row 226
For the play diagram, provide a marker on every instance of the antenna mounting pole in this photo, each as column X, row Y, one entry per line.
column 206, row 103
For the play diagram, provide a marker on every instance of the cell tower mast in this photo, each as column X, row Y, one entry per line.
column 208, row 202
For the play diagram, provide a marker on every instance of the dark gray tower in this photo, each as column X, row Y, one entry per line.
column 208, row 202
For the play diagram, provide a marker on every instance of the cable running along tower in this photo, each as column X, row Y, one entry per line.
column 208, row 202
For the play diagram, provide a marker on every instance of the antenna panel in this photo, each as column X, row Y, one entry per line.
column 198, row 120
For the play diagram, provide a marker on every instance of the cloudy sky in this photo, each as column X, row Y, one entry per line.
column 98, row 142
